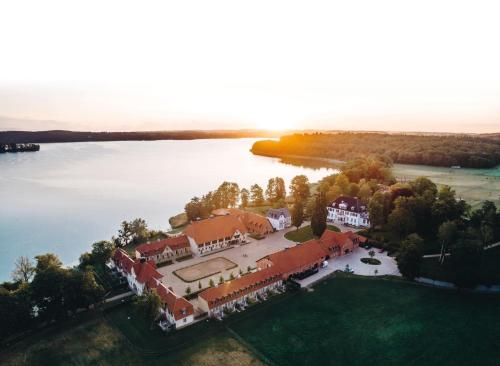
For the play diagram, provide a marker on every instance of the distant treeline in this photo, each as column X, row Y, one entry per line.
column 8, row 137
column 443, row 150
column 5, row 148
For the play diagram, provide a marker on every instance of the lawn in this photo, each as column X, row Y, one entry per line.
column 346, row 320
column 360, row 321
column 305, row 233
column 490, row 268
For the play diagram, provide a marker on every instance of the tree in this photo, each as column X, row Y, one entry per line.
column 466, row 257
column 257, row 195
column 45, row 261
column 199, row 285
column 280, row 189
column 244, row 197
column 23, row 269
column 194, row 209
column 188, row 290
column 211, row 283
column 100, row 254
column 149, row 304
column 365, row 192
column 376, row 209
column 342, row 182
column 15, row 310
column 90, row 291
column 487, row 234
column 139, row 230
column 297, row 214
column 125, row 234
column 371, row 253
column 299, row 188
column 249, row 269
column 401, row 221
column 221, row 280
column 231, row 276
column 270, row 190
column 409, row 258
column 318, row 218
column 447, row 233
column 333, row 193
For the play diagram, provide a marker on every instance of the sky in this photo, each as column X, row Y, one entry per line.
column 159, row 65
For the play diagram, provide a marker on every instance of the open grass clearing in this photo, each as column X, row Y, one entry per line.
column 305, row 233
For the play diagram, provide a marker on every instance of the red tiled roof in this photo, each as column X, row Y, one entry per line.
column 253, row 222
column 214, row 228
column 297, row 257
column 145, row 271
column 157, row 247
column 239, row 287
column 330, row 239
column 178, row 306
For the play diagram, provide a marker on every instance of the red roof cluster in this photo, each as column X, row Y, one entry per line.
column 239, row 287
column 346, row 240
column 158, row 247
column 179, row 307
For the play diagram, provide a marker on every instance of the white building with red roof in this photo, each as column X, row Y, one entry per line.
column 176, row 309
column 165, row 250
column 215, row 234
column 237, row 292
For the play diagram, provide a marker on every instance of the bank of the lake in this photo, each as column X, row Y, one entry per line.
column 68, row 195
column 473, row 185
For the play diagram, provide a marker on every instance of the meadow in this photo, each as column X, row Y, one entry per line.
column 473, row 185
column 345, row 320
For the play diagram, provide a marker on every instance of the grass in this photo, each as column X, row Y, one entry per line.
column 359, row 321
column 346, row 320
column 489, row 270
column 305, row 233
column 473, row 185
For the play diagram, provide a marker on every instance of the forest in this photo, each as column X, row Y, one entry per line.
column 467, row 151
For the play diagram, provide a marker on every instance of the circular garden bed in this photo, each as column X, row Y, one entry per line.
column 372, row 261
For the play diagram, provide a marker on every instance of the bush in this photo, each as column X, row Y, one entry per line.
column 372, row 261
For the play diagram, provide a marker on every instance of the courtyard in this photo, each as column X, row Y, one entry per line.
column 204, row 269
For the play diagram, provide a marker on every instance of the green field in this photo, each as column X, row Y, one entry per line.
column 473, row 185
column 360, row 321
column 346, row 320
column 305, row 233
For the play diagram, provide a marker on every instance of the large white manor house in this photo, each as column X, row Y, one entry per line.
column 348, row 211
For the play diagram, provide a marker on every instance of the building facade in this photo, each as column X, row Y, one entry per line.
column 238, row 292
column 166, row 250
column 215, row 234
column 279, row 218
column 348, row 211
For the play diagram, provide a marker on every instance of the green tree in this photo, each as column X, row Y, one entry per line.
column 194, row 209
column 211, row 283
column 257, row 195
column 365, row 192
column 409, row 258
column 371, row 253
column 270, row 190
column 487, row 234
column 188, row 290
column 318, row 218
column 466, row 257
column 280, row 189
column 376, row 209
column 231, row 276
column 244, row 197
column 299, row 188
column 333, row 193
column 199, row 285
column 149, row 304
column 447, row 234
column 401, row 222
column 297, row 214
column 24, row 269
column 221, row 280
column 342, row 181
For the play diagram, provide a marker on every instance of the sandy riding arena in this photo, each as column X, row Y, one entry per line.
column 204, row 269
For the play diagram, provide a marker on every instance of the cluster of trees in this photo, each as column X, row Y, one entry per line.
column 136, row 232
column 46, row 291
column 228, row 194
column 443, row 150
column 407, row 215
column 43, row 292
column 4, row 148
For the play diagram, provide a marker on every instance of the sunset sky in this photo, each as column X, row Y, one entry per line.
column 151, row 65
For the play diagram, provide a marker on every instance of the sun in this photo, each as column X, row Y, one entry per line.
column 274, row 120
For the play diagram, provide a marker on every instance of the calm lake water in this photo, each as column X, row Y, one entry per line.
column 66, row 196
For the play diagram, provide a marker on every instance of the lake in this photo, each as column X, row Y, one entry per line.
column 67, row 196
